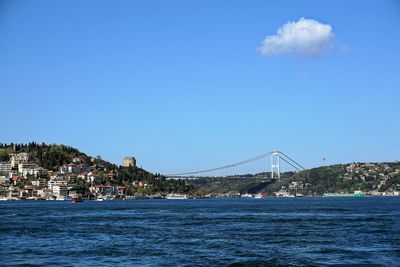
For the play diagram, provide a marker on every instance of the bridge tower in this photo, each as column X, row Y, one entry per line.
column 275, row 165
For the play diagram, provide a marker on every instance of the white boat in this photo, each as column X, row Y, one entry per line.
column 4, row 198
column 176, row 196
column 63, row 198
column 99, row 199
column 108, row 197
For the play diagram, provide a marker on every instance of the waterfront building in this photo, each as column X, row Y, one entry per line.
column 108, row 190
column 60, row 190
column 28, row 192
column 129, row 161
column 13, row 192
column 44, row 193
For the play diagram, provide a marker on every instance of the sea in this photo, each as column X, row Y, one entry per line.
column 309, row 231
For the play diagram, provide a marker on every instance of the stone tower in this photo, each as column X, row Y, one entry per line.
column 129, row 161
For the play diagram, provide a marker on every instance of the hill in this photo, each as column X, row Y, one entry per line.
column 51, row 157
column 341, row 178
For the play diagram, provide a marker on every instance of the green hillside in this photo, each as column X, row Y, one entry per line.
column 341, row 178
column 52, row 156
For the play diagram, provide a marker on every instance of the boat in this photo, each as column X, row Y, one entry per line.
column 109, row 197
column 4, row 198
column 247, row 195
column 359, row 194
column 76, row 198
column 176, row 196
column 355, row 194
column 63, row 198
column 284, row 194
column 337, row 195
column 99, row 198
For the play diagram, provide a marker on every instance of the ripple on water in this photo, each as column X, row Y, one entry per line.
column 228, row 232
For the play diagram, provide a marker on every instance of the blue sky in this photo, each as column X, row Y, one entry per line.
column 183, row 85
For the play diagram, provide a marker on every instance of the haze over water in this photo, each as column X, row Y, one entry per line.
column 212, row 232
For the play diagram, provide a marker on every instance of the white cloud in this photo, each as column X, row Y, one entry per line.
column 305, row 38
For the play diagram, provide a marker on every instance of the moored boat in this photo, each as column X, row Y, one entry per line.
column 76, row 198
column 99, row 198
column 176, row 196
column 247, row 195
column 359, row 193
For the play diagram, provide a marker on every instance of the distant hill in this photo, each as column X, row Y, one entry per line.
column 341, row 178
column 347, row 178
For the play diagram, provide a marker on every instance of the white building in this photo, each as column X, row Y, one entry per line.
column 76, row 160
column 74, row 168
column 44, row 193
column 56, row 181
column 39, row 182
column 4, row 180
column 13, row 192
column 28, row 168
column 17, row 158
column 60, row 190
column 5, row 167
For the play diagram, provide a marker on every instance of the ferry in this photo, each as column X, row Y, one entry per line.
column 337, row 195
column 355, row 194
column 176, row 196
column 359, row 193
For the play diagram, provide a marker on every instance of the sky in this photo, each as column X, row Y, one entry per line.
column 188, row 85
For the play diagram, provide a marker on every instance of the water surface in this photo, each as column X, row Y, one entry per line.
column 212, row 232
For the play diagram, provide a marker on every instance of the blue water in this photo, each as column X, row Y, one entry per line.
column 213, row 232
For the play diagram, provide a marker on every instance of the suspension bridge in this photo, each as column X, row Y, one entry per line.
column 267, row 165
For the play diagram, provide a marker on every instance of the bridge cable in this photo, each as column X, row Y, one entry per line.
column 223, row 167
column 282, row 158
column 292, row 160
